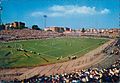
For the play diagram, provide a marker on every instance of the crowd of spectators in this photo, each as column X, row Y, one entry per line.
column 115, row 43
column 26, row 34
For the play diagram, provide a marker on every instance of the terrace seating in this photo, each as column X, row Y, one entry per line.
column 26, row 34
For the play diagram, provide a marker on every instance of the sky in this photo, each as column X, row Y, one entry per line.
column 75, row 14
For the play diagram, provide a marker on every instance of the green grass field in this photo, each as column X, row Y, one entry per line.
column 46, row 51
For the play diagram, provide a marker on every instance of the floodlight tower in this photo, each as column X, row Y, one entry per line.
column 45, row 17
column 1, row 12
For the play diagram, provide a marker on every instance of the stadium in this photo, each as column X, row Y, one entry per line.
column 42, row 56
column 59, row 41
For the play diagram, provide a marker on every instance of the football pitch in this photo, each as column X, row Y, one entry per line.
column 25, row 53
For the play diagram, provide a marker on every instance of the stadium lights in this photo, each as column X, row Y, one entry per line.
column 45, row 16
column 1, row 12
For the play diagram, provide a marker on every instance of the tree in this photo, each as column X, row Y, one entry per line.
column 10, row 28
column 35, row 27
column 19, row 27
column 83, row 30
column 2, row 27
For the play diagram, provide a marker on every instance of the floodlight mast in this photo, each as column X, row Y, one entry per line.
column 1, row 12
column 45, row 17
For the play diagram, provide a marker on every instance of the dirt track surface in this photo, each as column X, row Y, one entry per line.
column 89, row 59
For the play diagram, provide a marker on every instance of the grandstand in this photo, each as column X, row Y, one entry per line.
column 26, row 34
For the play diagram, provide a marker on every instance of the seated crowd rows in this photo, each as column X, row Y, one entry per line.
column 27, row 34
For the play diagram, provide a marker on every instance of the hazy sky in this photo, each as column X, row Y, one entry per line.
column 67, row 13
